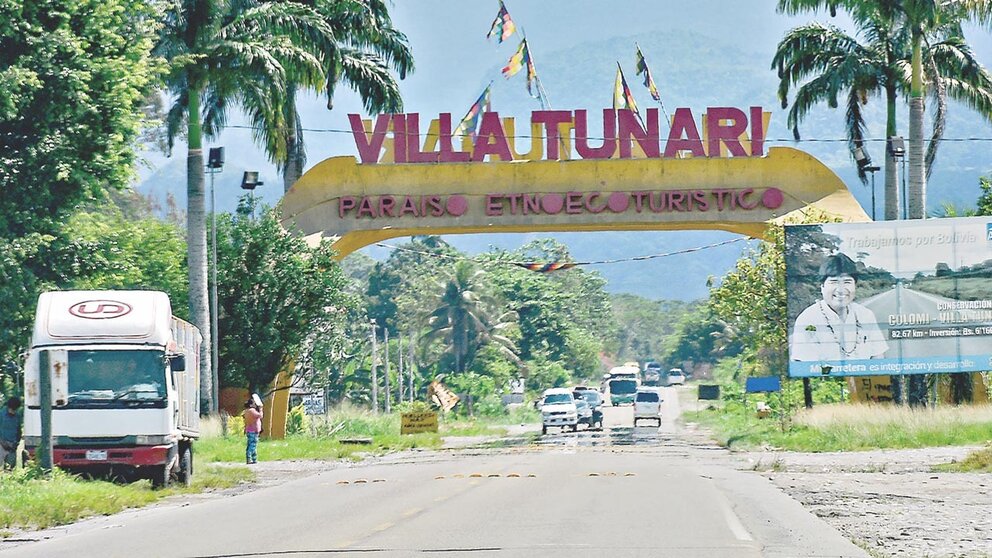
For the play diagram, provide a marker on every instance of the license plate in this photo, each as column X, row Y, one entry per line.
column 96, row 455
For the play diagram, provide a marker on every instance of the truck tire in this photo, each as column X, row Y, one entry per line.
column 160, row 475
column 185, row 475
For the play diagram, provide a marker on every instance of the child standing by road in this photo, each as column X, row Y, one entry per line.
column 253, row 426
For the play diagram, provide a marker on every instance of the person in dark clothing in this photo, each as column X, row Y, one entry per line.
column 11, row 424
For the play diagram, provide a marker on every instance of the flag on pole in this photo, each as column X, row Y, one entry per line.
column 470, row 123
column 503, row 27
column 622, row 97
column 517, row 62
column 642, row 67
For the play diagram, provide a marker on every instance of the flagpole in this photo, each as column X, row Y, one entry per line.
column 623, row 80
column 668, row 119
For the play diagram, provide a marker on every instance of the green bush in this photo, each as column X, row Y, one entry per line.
column 297, row 422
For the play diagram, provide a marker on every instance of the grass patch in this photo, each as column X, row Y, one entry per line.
column 845, row 427
column 977, row 462
column 321, row 437
column 29, row 501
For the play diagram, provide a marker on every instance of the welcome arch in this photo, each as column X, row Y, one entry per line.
column 361, row 204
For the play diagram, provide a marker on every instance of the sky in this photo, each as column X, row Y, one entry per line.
column 455, row 61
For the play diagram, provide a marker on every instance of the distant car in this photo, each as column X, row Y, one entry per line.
column 595, row 401
column 558, row 410
column 584, row 412
column 676, row 377
column 647, row 405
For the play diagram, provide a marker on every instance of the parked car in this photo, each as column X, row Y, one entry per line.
column 558, row 410
column 647, row 405
column 676, row 377
column 595, row 401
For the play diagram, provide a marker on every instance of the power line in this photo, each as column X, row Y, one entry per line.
column 555, row 266
column 598, row 138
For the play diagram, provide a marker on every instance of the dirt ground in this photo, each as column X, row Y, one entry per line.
column 890, row 502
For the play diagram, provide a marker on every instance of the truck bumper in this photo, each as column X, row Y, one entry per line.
column 137, row 456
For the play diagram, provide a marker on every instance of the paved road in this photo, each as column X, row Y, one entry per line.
column 620, row 491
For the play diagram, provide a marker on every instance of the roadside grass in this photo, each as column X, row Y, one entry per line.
column 29, row 501
column 849, row 427
column 347, row 432
column 977, row 462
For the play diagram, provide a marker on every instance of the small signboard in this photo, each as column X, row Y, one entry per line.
column 313, row 404
column 415, row 423
column 709, row 392
column 763, row 384
column 442, row 396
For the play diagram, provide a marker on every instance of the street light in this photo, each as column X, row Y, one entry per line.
column 248, row 182
column 863, row 160
column 215, row 164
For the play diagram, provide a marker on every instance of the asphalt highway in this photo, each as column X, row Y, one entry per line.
column 620, row 491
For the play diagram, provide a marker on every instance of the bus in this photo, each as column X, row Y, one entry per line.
column 621, row 383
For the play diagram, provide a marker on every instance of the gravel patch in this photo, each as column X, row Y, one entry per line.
column 889, row 501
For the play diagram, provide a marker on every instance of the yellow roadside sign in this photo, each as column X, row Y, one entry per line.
column 414, row 423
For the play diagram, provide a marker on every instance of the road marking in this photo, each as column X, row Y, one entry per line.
column 412, row 511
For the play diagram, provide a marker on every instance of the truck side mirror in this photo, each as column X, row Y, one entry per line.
column 177, row 362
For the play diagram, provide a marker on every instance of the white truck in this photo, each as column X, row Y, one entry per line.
column 125, row 384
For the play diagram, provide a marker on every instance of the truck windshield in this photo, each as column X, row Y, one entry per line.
column 116, row 378
column 623, row 387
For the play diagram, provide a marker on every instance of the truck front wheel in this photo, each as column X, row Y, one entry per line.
column 185, row 476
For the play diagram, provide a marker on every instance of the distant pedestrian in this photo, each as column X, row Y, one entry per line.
column 253, row 426
column 11, row 423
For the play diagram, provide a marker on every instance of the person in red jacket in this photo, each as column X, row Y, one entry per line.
column 253, row 426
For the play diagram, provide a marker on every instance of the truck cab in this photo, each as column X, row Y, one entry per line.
column 125, row 384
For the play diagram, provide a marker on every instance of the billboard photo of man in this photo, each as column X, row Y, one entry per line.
column 835, row 327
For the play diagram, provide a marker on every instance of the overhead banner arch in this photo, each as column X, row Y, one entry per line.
column 361, row 204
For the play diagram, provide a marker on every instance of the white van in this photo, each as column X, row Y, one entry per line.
column 647, row 405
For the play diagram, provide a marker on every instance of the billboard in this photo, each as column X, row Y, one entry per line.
column 892, row 297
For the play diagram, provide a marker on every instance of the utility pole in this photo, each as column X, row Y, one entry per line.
column 375, row 373
column 410, row 365
column 399, row 352
column 385, row 334
column 45, row 402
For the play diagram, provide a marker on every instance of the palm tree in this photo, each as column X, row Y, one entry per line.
column 219, row 52
column 937, row 55
column 463, row 318
column 835, row 64
column 359, row 53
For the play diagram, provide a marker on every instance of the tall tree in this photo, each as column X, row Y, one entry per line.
column 222, row 52
column 360, row 53
column 836, row 63
column 73, row 74
column 274, row 292
column 933, row 57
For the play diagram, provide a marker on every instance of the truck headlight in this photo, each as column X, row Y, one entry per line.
column 152, row 439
